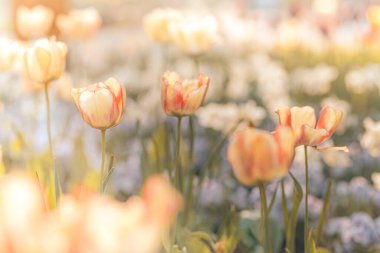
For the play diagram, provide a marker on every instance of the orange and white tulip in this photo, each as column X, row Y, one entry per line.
column 304, row 123
column 182, row 97
column 35, row 22
column 79, row 24
column 101, row 104
column 45, row 60
column 258, row 156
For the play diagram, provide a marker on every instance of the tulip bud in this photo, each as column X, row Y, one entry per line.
column 182, row 97
column 259, row 156
column 45, row 60
column 101, row 104
column 34, row 22
column 79, row 24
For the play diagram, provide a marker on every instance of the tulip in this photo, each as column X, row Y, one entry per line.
column 79, row 24
column 101, row 104
column 307, row 130
column 35, row 22
column 373, row 17
column 45, row 61
column 194, row 35
column 182, row 97
column 157, row 22
column 259, row 156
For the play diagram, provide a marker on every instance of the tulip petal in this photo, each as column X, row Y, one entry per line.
column 284, row 116
column 302, row 116
column 286, row 141
column 119, row 94
column 329, row 119
column 312, row 136
column 333, row 149
column 98, row 108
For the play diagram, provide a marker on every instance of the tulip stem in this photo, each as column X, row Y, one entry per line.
column 306, row 217
column 103, row 133
column 264, row 219
column 52, row 172
column 178, row 172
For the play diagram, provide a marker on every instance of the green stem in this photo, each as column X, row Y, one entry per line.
column 103, row 134
column 326, row 205
column 177, row 177
column 52, row 171
column 189, row 198
column 178, row 171
column 306, row 220
column 264, row 219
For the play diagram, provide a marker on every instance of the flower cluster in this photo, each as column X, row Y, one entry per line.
column 84, row 222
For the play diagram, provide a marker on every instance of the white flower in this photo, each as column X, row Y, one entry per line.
column 371, row 138
column 363, row 79
column 224, row 117
column 314, row 81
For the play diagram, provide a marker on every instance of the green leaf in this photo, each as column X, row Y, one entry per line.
column 326, row 204
column 109, row 172
column 229, row 233
column 284, row 204
column 272, row 199
column 292, row 222
column 250, row 231
column 197, row 242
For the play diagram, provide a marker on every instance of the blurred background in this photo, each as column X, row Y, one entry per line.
column 265, row 54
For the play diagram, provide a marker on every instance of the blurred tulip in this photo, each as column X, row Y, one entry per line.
column 45, row 61
column 162, row 200
column 182, row 97
column 80, row 24
column 101, row 104
column 257, row 156
column 193, row 34
column 373, row 15
column 307, row 130
column 8, row 54
column 35, row 22
column 157, row 22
